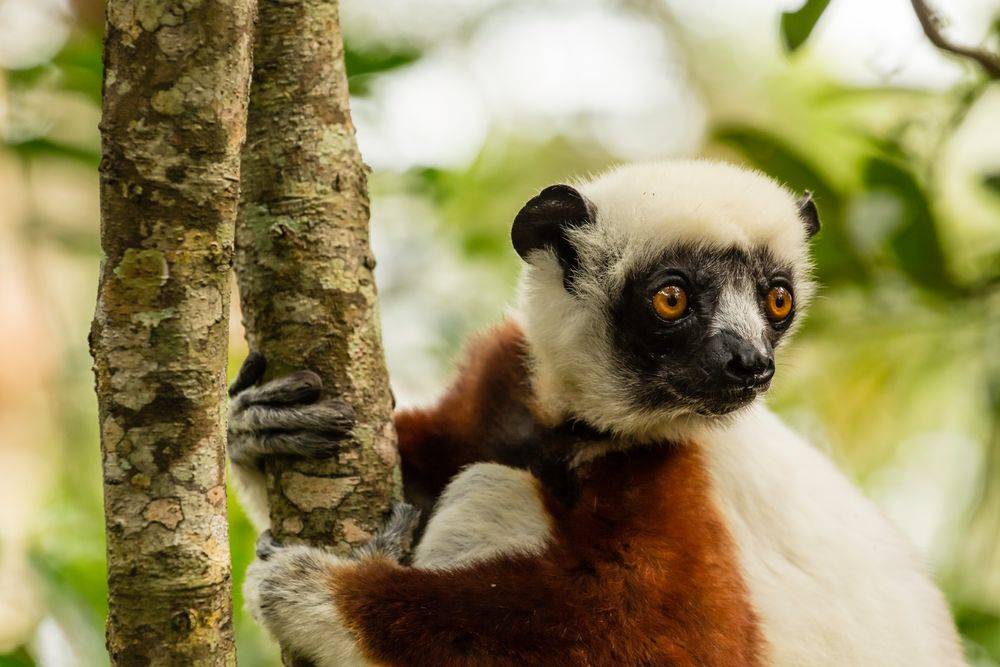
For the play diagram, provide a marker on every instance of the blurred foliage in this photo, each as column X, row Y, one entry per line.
column 900, row 355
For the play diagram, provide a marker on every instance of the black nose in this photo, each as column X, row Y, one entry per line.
column 748, row 366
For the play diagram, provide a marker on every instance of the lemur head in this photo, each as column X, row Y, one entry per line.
column 655, row 295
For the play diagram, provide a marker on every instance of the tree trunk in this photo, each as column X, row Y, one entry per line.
column 304, row 266
column 175, row 95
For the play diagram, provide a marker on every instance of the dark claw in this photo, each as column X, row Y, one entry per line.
column 347, row 419
column 250, row 373
column 266, row 545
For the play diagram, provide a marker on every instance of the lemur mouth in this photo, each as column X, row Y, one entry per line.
column 727, row 401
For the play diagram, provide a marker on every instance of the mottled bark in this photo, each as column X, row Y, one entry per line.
column 175, row 95
column 304, row 266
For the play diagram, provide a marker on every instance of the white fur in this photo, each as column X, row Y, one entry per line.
column 655, row 205
column 487, row 510
column 251, row 489
column 642, row 210
column 833, row 582
column 739, row 312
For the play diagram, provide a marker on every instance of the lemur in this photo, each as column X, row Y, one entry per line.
column 603, row 483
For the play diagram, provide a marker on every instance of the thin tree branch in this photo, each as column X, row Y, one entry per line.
column 931, row 24
column 305, row 270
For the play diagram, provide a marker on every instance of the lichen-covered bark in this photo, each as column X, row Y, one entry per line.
column 304, row 266
column 175, row 95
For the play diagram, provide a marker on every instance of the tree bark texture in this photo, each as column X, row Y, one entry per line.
column 175, row 95
column 304, row 266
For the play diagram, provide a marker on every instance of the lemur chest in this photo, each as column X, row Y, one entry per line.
column 831, row 581
column 646, row 522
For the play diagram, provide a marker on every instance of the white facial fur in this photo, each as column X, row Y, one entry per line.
column 739, row 313
column 640, row 211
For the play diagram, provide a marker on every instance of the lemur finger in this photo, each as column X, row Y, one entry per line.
column 403, row 520
column 266, row 545
column 331, row 417
column 295, row 388
column 250, row 373
column 249, row 447
column 395, row 538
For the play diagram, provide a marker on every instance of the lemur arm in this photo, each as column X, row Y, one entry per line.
column 485, row 587
column 482, row 417
column 339, row 612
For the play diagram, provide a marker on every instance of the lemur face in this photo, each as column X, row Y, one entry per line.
column 698, row 326
column 659, row 292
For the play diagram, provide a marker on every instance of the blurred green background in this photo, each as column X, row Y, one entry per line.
column 465, row 108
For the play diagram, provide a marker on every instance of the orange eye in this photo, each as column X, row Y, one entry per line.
column 779, row 304
column 670, row 302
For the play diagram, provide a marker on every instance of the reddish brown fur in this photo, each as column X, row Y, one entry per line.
column 473, row 419
column 640, row 571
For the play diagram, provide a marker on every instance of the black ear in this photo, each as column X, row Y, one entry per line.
column 809, row 214
column 544, row 221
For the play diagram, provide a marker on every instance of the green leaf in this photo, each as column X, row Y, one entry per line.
column 364, row 65
column 798, row 25
column 81, row 66
column 27, row 78
column 76, row 68
column 19, row 658
column 44, row 147
column 916, row 244
column 980, row 626
column 992, row 183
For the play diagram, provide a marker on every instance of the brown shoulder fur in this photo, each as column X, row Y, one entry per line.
column 483, row 413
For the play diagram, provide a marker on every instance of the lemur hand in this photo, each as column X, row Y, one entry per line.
column 392, row 541
column 285, row 416
column 287, row 590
